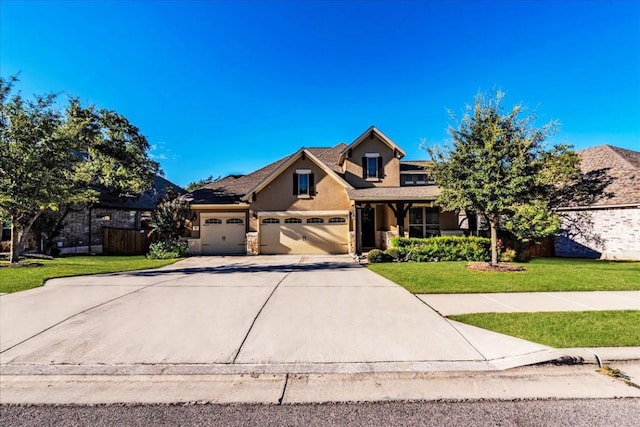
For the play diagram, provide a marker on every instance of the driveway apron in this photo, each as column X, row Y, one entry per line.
column 235, row 311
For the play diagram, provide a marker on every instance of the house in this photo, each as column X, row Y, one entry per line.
column 606, row 227
column 83, row 230
column 335, row 200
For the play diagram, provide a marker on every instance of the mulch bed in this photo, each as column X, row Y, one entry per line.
column 501, row 268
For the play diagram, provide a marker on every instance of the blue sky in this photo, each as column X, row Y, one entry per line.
column 227, row 87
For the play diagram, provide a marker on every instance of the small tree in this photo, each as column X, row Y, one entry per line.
column 498, row 168
column 169, row 219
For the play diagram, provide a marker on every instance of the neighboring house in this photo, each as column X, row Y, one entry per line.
column 607, row 227
column 341, row 199
column 83, row 230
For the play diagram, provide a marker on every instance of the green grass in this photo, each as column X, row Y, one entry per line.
column 541, row 275
column 14, row 279
column 564, row 329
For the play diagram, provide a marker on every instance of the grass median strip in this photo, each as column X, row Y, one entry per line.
column 14, row 279
column 564, row 329
column 541, row 275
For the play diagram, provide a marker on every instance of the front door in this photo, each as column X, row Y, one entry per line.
column 368, row 227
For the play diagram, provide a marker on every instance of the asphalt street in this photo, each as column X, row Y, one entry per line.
column 589, row 412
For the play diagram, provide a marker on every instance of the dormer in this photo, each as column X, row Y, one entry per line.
column 371, row 160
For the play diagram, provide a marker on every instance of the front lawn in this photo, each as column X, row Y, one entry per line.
column 564, row 329
column 14, row 279
column 541, row 275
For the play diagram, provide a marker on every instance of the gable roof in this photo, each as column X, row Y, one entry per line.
column 288, row 162
column 621, row 166
column 233, row 189
column 369, row 133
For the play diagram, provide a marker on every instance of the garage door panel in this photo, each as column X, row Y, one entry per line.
column 303, row 237
column 223, row 233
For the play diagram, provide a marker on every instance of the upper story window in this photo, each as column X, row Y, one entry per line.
column 303, row 183
column 408, row 180
column 372, row 168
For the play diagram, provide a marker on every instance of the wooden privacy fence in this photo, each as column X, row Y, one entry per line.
column 124, row 241
column 543, row 249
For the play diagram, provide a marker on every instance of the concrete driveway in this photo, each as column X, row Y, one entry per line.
column 241, row 314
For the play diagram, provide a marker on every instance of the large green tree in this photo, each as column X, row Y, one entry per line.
column 499, row 167
column 51, row 158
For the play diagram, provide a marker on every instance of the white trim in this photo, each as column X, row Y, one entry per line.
column 243, row 206
column 302, row 213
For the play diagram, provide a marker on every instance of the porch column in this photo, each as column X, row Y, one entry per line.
column 400, row 210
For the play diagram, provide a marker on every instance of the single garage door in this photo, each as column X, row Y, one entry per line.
column 223, row 233
column 304, row 234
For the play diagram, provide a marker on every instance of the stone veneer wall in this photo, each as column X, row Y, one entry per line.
column 253, row 243
column 600, row 233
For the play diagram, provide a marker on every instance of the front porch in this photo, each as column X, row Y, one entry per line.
column 377, row 222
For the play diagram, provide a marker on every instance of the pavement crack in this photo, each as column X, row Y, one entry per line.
column 235, row 357
column 284, row 389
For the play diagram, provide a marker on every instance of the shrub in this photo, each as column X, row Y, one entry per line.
column 392, row 254
column 444, row 248
column 375, row 255
column 167, row 249
column 508, row 255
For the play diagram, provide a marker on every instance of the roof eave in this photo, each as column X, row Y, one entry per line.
column 363, row 136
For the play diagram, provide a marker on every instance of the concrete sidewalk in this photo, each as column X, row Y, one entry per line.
column 523, row 302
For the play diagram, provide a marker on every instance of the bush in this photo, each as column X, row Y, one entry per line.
column 508, row 255
column 375, row 255
column 445, row 248
column 392, row 254
column 167, row 249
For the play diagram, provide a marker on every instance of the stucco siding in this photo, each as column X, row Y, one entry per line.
column 353, row 165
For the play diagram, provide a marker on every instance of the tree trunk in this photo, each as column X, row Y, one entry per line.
column 493, row 224
column 17, row 242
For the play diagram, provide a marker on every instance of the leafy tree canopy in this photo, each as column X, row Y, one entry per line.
column 49, row 157
column 499, row 167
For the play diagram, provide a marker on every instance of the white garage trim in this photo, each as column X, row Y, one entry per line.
column 302, row 213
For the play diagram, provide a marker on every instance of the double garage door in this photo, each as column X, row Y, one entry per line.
column 286, row 233
column 223, row 233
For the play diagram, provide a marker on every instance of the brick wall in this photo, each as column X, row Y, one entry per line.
column 600, row 233
column 76, row 230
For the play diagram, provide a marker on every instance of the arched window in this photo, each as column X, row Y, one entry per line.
column 315, row 220
column 292, row 221
column 337, row 220
column 271, row 221
column 235, row 221
column 212, row 221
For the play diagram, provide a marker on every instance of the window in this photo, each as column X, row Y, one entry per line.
column 303, row 183
column 424, row 222
column 420, row 179
column 235, row 221
column 212, row 221
column 271, row 221
column 337, row 220
column 408, row 180
column 292, row 221
column 315, row 220
column 6, row 231
column 372, row 167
